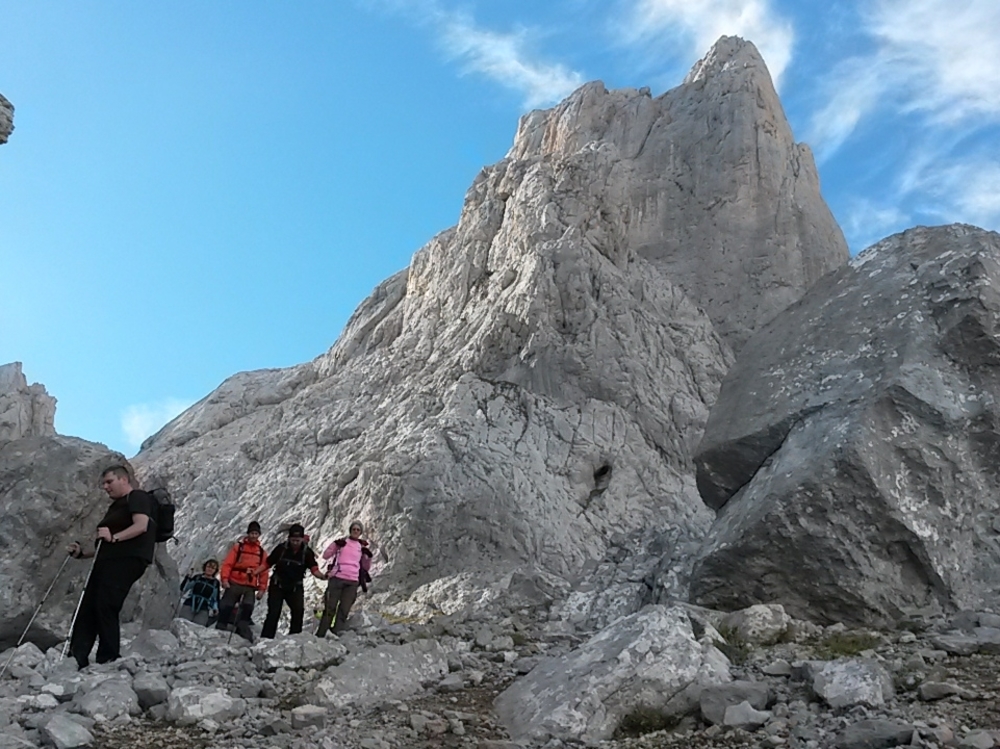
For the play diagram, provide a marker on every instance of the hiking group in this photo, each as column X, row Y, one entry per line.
column 124, row 545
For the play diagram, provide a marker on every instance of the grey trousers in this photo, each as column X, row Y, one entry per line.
column 340, row 596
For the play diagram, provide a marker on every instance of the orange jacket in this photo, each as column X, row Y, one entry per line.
column 241, row 563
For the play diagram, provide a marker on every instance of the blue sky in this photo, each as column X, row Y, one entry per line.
column 199, row 188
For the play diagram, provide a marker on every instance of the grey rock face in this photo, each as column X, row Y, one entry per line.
column 853, row 682
column 723, row 200
column 649, row 659
column 852, row 452
column 49, row 496
column 715, row 700
column 392, row 672
column 63, row 733
column 6, row 119
column 538, row 378
column 25, row 411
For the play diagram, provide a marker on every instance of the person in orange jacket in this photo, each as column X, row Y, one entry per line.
column 243, row 581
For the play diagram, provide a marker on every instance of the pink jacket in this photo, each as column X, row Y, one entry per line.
column 348, row 558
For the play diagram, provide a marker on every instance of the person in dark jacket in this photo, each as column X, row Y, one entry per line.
column 201, row 594
column 125, row 543
column 288, row 563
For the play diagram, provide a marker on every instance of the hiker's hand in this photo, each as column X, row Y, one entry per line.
column 260, row 594
column 318, row 575
column 104, row 533
column 74, row 550
column 224, row 584
column 260, row 569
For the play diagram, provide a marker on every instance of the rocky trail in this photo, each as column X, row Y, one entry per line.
column 435, row 685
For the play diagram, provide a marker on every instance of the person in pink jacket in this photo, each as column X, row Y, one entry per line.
column 350, row 559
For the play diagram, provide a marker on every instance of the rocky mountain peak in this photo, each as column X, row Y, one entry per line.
column 25, row 410
column 536, row 381
column 6, row 119
column 730, row 57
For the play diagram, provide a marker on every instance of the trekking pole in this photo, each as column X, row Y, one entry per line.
column 32, row 619
column 72, row 623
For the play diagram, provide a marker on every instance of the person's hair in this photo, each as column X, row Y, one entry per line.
column 120, row 471
column 208, row 562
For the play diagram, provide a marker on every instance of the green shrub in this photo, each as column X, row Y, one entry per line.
column 846, row 644
column 643, row 720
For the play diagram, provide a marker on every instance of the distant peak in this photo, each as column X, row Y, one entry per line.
column 730, row 53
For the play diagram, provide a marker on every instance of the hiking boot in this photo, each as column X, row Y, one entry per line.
column 244, row 631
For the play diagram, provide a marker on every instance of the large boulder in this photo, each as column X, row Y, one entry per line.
column 539, row 376
column 852, row 453
column 650, row 661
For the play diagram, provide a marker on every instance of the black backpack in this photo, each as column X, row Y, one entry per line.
column 164, row 516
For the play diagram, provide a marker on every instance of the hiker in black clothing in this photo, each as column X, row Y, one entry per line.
column 127, row 535
column 201, row 593
column 289, row 562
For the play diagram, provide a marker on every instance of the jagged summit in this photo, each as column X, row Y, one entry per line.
column 707, row 181
column 25, row 410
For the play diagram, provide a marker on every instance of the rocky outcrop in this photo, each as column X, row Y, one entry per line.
column 6, row 119
column 25, row 411
column 537, row 379
column 49, row 496
column 852, row 452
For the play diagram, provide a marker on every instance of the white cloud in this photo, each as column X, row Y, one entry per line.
column 867, row 222
column 506, row 59
column 966, row 190
column 144, row 419
column 704, row 21
column 933, row 56
column 855, row 91
column 947, row 52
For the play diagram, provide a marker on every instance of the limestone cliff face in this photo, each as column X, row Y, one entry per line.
column 25, row 411
column 539, row 376
column 705, row 182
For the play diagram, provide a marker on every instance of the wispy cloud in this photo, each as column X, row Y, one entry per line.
column 143, row 419
column 867, row 222
column 507, row 59
column 948, row 52
column 934, row 57
column 965, row 189
column 702, row 23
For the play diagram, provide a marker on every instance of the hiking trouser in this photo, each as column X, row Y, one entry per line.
column 276, row 596
column 236, row 595
column 198, row 617
column 340, row 596
column 103, row 598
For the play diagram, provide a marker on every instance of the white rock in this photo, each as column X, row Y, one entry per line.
column 190, row 705
column 64, row 733
column 650, row 658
